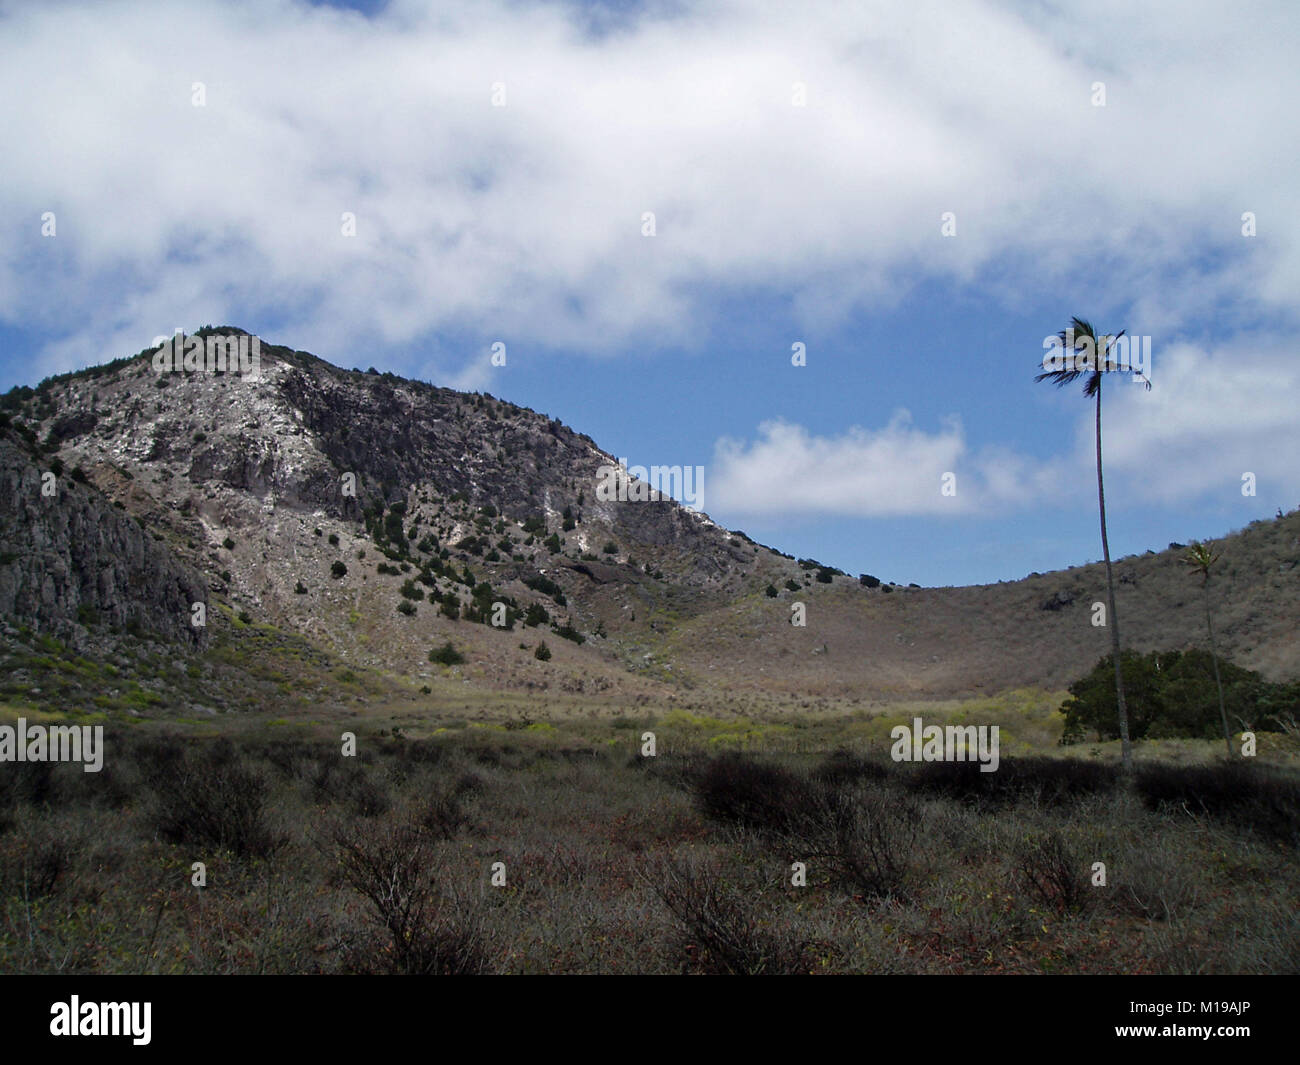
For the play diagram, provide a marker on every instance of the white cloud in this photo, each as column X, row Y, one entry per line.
column 1211, row 416
column 526, row 219
column 894, row 471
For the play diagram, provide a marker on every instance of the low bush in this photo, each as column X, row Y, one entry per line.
column 1243, row 795
column 1046, row 781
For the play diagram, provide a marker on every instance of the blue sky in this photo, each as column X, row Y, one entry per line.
column 776, row 222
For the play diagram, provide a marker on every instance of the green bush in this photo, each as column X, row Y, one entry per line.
column 1171, row 693
column 446, row 655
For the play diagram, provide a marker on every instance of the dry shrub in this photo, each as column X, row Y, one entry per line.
column 431, row 929
column 209, row 797
column 1053, row 873
column 720, row 932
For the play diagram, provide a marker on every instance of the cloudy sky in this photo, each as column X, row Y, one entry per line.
column 652, row 206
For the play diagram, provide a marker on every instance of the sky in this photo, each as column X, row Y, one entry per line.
column 655, row 207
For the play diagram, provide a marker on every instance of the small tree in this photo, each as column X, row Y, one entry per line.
column 543, row 653
column 1200, row 557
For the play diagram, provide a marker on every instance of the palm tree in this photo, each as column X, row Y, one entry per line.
column 1201, row 557
column 1082, row 359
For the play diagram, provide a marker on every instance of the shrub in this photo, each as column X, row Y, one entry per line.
column 864, row 835
column 541, row 583
column 446, row 655
column 844, row 767
column 206, row 797
column 406, row 607
column 300, row 589
column 428, row 933
column 37, row 869
column 334, row 539
column 771, row 591
column 338, row 569
column 543, row 653
column 869, row 581
column 1247, row 796
column 792, row 585
column 731, row 788
column 363, row 790
column 1050, row 871
column 1048, row 781
column 722, row 926
column 568, row 632
column 228, row 544
column 442, row 815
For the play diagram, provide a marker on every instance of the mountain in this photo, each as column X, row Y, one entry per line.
column 331, row 522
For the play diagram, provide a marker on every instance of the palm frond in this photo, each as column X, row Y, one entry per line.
column 1079, row 336
column 1060, row 378
column 1200, row 557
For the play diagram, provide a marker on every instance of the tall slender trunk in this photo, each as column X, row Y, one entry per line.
column 1126, row 748
column 1214, row 658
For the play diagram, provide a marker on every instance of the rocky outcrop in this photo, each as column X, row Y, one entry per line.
column 68, row 557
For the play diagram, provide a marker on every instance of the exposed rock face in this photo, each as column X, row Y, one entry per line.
column 290, row 437
column 74, row 555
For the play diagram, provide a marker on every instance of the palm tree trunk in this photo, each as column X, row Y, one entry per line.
column 1214, row 658
column 1126, row 748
